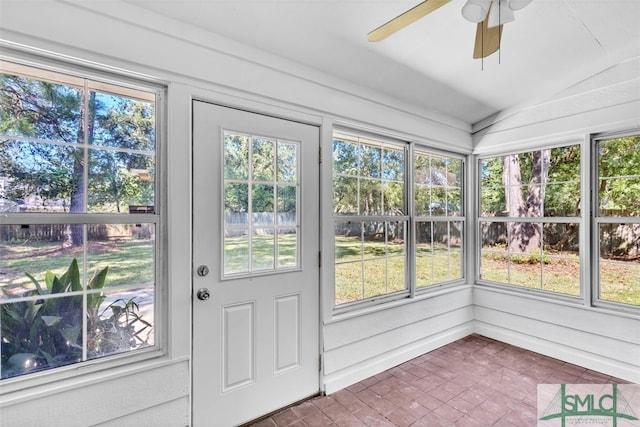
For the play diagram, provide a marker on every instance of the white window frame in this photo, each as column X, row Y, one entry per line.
column 596, row 220
column 50, row 68
column 411, row 291
column 584, row 291
column 588, row 223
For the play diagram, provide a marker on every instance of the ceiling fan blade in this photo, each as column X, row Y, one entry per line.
column 408, row 17
column 487, row 39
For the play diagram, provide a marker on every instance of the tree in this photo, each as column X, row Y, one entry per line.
column 45, row 126
column 525, row 236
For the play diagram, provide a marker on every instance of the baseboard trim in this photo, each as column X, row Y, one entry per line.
column 559, row 351
column 344, row 378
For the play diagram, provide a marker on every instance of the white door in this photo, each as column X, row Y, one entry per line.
column 256, row 231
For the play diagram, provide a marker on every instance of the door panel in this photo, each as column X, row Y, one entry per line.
column 255, row 340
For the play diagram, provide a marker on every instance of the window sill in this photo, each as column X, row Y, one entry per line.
column 566, row 300
column 40, row 384
column 368, row 307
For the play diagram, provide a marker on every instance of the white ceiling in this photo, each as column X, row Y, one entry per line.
column 551, row 45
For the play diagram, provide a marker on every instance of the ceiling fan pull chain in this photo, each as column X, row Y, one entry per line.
column 500, row 31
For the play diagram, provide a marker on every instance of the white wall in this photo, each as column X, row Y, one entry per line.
column 601, row 339
column 361, row 346
column 115, row 36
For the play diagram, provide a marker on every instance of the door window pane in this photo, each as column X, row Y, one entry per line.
column 261, row 224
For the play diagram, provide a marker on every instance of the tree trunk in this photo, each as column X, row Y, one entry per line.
column 525, row 236
column 74, row 235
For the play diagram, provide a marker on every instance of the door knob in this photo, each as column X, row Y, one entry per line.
column 203, row 270
column 203, row 294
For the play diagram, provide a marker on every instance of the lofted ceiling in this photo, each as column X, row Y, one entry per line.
column 551, row 45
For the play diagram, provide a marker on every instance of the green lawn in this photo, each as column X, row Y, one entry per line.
column 130, row 262
column 263, row 253
column 363, row 271
column 560, row 273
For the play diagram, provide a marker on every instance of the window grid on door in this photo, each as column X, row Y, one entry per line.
column 261, row 190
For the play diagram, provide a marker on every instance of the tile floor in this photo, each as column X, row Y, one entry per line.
column 475, row 381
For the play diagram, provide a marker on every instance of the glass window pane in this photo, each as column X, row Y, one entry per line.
column 371, row 161
column 346, row 157
column 619, row 272
column 127, row 252
column 562, row 199
column 122, row 122
column 119, row 321
column 438, row 205
column 564, row 165
column 422, row 199
column 263, row 157
column 236, row 251
column 375, row 277
column 41, row 251
column 348, row 277
column 370, row 197
column 454, row 202
column 396, row 238
column 454, row 240
column 393, row 164
column 494, row 258
column 345, row 195
column 619, row 176
column 348, row 241
column 493, row 202
column 454, row 167
column 40, row 333
column 393, row 198
column 40, row 177
column 620, row 196
column 374, row 235
column 561, row 275
column 236, row 156
column 287, row 248
column 524, row 237
column 421, row 169
column 287, row 162
column 236, row 200
column 40, row 109
column 263, row 249
column 287, row 205
column 262, row 199
column 438, row 172
column 424, row 253
column 121, row 182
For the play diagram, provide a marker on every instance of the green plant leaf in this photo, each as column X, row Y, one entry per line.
column 51, row 320
column 71, row 278
column 22, row 362
column 71, row 334
column 38, row 286
column 98, row 281
column 57, row 287
column 51, row 361
column 49, row 278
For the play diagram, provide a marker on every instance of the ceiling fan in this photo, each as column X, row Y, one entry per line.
column 490, row 16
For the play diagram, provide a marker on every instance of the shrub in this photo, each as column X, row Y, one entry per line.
column 40, row 334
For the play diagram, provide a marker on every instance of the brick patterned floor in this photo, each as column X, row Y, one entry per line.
column 475, row 381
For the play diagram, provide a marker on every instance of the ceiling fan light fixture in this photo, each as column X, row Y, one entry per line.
column 518, row 4
column 500, row 13
column 476, row 10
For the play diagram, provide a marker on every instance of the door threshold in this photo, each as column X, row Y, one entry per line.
column 270, row 414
